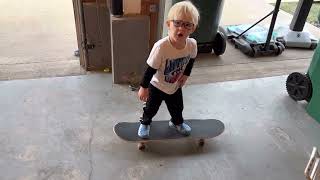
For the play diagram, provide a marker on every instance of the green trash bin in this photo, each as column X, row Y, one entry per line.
column 314, row 74
column 306, row 86
column 207, row 34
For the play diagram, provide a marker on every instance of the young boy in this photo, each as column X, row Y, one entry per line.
column 169, row 66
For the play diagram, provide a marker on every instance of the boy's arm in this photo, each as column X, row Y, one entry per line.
column 189, row 67
column 147, row 77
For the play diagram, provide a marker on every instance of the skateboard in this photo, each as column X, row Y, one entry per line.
column 201, row 129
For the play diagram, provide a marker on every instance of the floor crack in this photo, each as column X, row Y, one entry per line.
column 90, row 152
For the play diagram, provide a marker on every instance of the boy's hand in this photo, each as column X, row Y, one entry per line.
column 143, row 94
column 183, row 80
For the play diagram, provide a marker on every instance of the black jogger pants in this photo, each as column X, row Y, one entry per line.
column 174, row 104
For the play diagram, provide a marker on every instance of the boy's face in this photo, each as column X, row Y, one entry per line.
column 180, row 28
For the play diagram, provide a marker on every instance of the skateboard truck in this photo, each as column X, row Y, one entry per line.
column 142, row 145
column 312, row 168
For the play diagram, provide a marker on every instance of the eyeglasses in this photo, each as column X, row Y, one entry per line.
column 179, row 23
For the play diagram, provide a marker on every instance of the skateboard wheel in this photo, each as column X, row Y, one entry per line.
column 201, row 142
column 141, row 146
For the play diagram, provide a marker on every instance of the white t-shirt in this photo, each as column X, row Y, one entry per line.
column 170, row 63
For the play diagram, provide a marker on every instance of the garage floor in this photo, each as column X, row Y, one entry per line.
column 61, row 128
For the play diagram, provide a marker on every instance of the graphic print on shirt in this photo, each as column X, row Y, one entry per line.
column 174, row 69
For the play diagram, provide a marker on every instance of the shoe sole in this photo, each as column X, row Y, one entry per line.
column 173, row 127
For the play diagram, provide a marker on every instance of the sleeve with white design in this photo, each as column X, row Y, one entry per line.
column 155, row 57
column 194, row 50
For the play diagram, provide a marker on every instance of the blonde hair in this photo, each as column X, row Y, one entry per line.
column 184, row 7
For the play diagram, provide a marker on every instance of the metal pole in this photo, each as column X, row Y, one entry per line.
column 254, row 24
column 273, row 22
column 300, row 15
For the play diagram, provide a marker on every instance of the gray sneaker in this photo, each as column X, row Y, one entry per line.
column 183, row 128
column 143, row 131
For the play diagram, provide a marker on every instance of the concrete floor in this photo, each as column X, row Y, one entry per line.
column 61, row 128
column 38, row 39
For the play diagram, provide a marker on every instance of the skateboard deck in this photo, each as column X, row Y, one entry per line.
column 160, row 130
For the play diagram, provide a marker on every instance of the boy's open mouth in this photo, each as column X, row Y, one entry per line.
column 180, row 35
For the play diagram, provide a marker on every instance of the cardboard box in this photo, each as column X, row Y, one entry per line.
column 130, row 48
